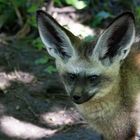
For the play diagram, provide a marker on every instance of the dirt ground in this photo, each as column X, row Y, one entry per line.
column 33, row 104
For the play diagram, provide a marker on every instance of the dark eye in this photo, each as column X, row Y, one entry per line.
column 72, row 76
column 92, row 78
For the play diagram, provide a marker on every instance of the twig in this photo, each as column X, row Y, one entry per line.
column 20, row 34
column 63, row 10
column 49, row 5
column 23, row 31
column 67, row 127
column 17, row 13
column 28, row 107
column 54, row 95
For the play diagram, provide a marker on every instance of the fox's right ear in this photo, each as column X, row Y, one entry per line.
column 116, row 41
column 54, row 37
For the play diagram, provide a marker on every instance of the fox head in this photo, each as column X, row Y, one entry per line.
column 88, row 70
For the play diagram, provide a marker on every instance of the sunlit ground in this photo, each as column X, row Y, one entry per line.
column 14, row 127
column 53, row 120
column 58, row 118
column 20, row 129
column 18, row 76
column 61, row 117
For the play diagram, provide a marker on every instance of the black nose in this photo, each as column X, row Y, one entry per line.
column 76, row 97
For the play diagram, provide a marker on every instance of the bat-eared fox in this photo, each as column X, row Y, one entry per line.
column 101, row 77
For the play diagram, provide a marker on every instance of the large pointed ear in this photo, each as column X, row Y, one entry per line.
column 54, row 37
column 115, row 42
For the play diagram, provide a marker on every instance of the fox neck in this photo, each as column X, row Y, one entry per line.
column 130, row 74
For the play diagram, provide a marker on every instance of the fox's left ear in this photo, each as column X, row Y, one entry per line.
column 115, row 42
column 57, row 39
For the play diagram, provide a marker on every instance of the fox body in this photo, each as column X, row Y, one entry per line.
column 101, row 77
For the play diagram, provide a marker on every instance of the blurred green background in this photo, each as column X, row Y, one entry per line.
column 18, row 20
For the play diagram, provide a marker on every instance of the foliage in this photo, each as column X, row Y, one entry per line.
column 50, row 69
column 38, row 43
column 100, row 17
column 17, row 14
column 45, row 61
column 137, row 10
column 90, row 38
column 78, row 4
column 102, row 9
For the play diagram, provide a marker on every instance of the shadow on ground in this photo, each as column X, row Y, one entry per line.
column 33, row 104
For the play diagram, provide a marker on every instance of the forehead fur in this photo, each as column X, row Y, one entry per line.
column 85, row 49
column 85, row 67
column 82, row 62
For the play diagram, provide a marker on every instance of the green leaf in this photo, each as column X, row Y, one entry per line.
column 50, row 69
column 32, row 9
column 3, row 19
column 32, row 20
column 103, row 14
column 19, row 3
column 71, row 2
column 42, row 61
column 99, row 17
column 4, row 2
column 76, row 3
column 37, row 43
column 80, row 5
column 97, row 21
column 58, row 2
column 89, row 38
column 138, row 11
